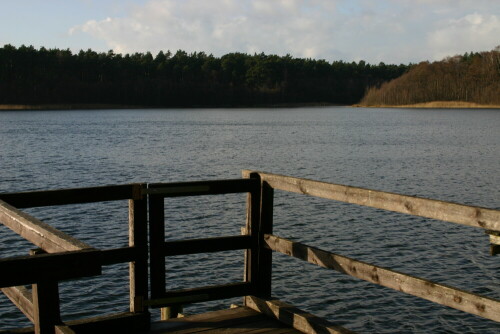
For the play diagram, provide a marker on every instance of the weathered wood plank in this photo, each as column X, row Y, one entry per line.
column 292, row 316
column 494, row 237
column 156, row 242
column 39, row 233
column 71, row 196
column 494, row 242
column 265, row 227
column 438, row 293
column 202, row 294
column 63, row 329
column 171, row 312
column 207, row 245
column 138, row 239
column 429, row 208
column 24, row 270
column 215, row 320
column 118, row 255
column 251, row 268
column 198, row 188
column 126, row 322
column 46, row 308
column 22, row 298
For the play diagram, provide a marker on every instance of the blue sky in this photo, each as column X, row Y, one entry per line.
column 392, row 31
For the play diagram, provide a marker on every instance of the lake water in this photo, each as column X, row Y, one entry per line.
column 451, row 155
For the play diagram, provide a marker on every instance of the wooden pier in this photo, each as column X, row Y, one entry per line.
column 61, row 257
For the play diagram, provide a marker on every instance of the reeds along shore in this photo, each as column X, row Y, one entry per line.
column 435, row 105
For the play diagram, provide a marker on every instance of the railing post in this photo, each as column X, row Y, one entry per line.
column 265, row 227
column 46, row 308
column 258, row 260
column 252, row 229
column 171, row 312
column 138, row 239
column 156, row 243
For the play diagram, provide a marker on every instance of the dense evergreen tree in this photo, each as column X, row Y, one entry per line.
column 53, row 76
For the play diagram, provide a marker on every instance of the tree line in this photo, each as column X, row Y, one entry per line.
column 54, row 76
column 472, row 77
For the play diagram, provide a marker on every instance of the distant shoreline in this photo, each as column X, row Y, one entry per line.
column 21, row 107
column 426, row 105
column 13, row 107
column 436, row 105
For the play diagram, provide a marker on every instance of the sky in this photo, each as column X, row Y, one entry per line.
column 389, row 31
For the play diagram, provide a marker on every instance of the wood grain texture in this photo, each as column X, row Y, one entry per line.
column 39, row 233
column 230, row 321
column 438, row 293
column 417, row 206
column 294, row 317
column 138, row 241
column 22, row 298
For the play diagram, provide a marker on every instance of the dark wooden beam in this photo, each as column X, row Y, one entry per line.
column 71, row 196
column 202, row 294
column 207, row 245
column 202, row 188
column 24, row 270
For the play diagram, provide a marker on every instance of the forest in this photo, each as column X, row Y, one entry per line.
column 30, row 76
column 472, row 77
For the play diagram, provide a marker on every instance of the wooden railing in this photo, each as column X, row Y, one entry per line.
column 159, row 249
column 451, row 212
column 62, row 257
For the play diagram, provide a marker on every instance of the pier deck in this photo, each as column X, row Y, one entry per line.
column 235, row 320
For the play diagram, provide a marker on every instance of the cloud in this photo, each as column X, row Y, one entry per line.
column 475, row 31
column 391, row 31
column 220, row 26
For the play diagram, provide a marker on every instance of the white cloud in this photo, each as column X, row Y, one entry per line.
column 219, row 26
column 387, row 30
column 472, row 32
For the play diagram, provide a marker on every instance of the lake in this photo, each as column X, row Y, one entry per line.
column 451, row 155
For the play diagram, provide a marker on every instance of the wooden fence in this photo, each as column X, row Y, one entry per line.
column 451, row 212
column 62, row 257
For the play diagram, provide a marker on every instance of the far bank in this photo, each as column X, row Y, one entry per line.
column 436, row 105
column 21, row 107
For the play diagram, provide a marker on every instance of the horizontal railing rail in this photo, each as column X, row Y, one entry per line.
column 37, row 232
column 197, row 188
column 417, row 206
column 202, row 294
column 31, row 269
column 31, row 199
column 438, row 293
column 208, row 245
